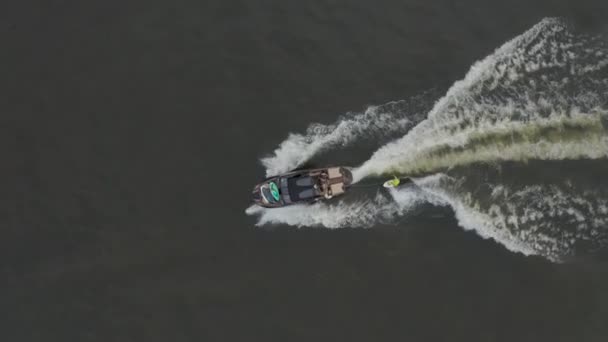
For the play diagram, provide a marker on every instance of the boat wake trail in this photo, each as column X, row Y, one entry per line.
column 361, row 213
column 536, row 107
column 377, row 124
column 557, row 216
column 536, row 97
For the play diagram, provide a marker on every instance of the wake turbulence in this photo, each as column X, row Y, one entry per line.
column 540, row 97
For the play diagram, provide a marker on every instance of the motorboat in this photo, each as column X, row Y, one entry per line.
column 302, row 186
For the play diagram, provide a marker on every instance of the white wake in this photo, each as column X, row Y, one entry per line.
column 540, row 96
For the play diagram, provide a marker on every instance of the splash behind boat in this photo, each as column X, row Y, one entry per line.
column 302, row 186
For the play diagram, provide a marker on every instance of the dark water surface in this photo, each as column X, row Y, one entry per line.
column 131, row 134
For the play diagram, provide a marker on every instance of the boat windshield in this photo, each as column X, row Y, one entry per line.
column 270, row 192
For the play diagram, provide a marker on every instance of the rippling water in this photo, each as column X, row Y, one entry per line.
column 131, row 134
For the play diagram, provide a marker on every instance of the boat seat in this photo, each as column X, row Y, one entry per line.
column 285, row 191
column 304, row 181
column 337, row 189
column 334, row 172
column 308, row 193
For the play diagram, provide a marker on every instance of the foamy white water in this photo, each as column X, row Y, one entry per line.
column 363, row 213
column 540, row 96
column 542, row 219
column 375, row 124
column 544, row 77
